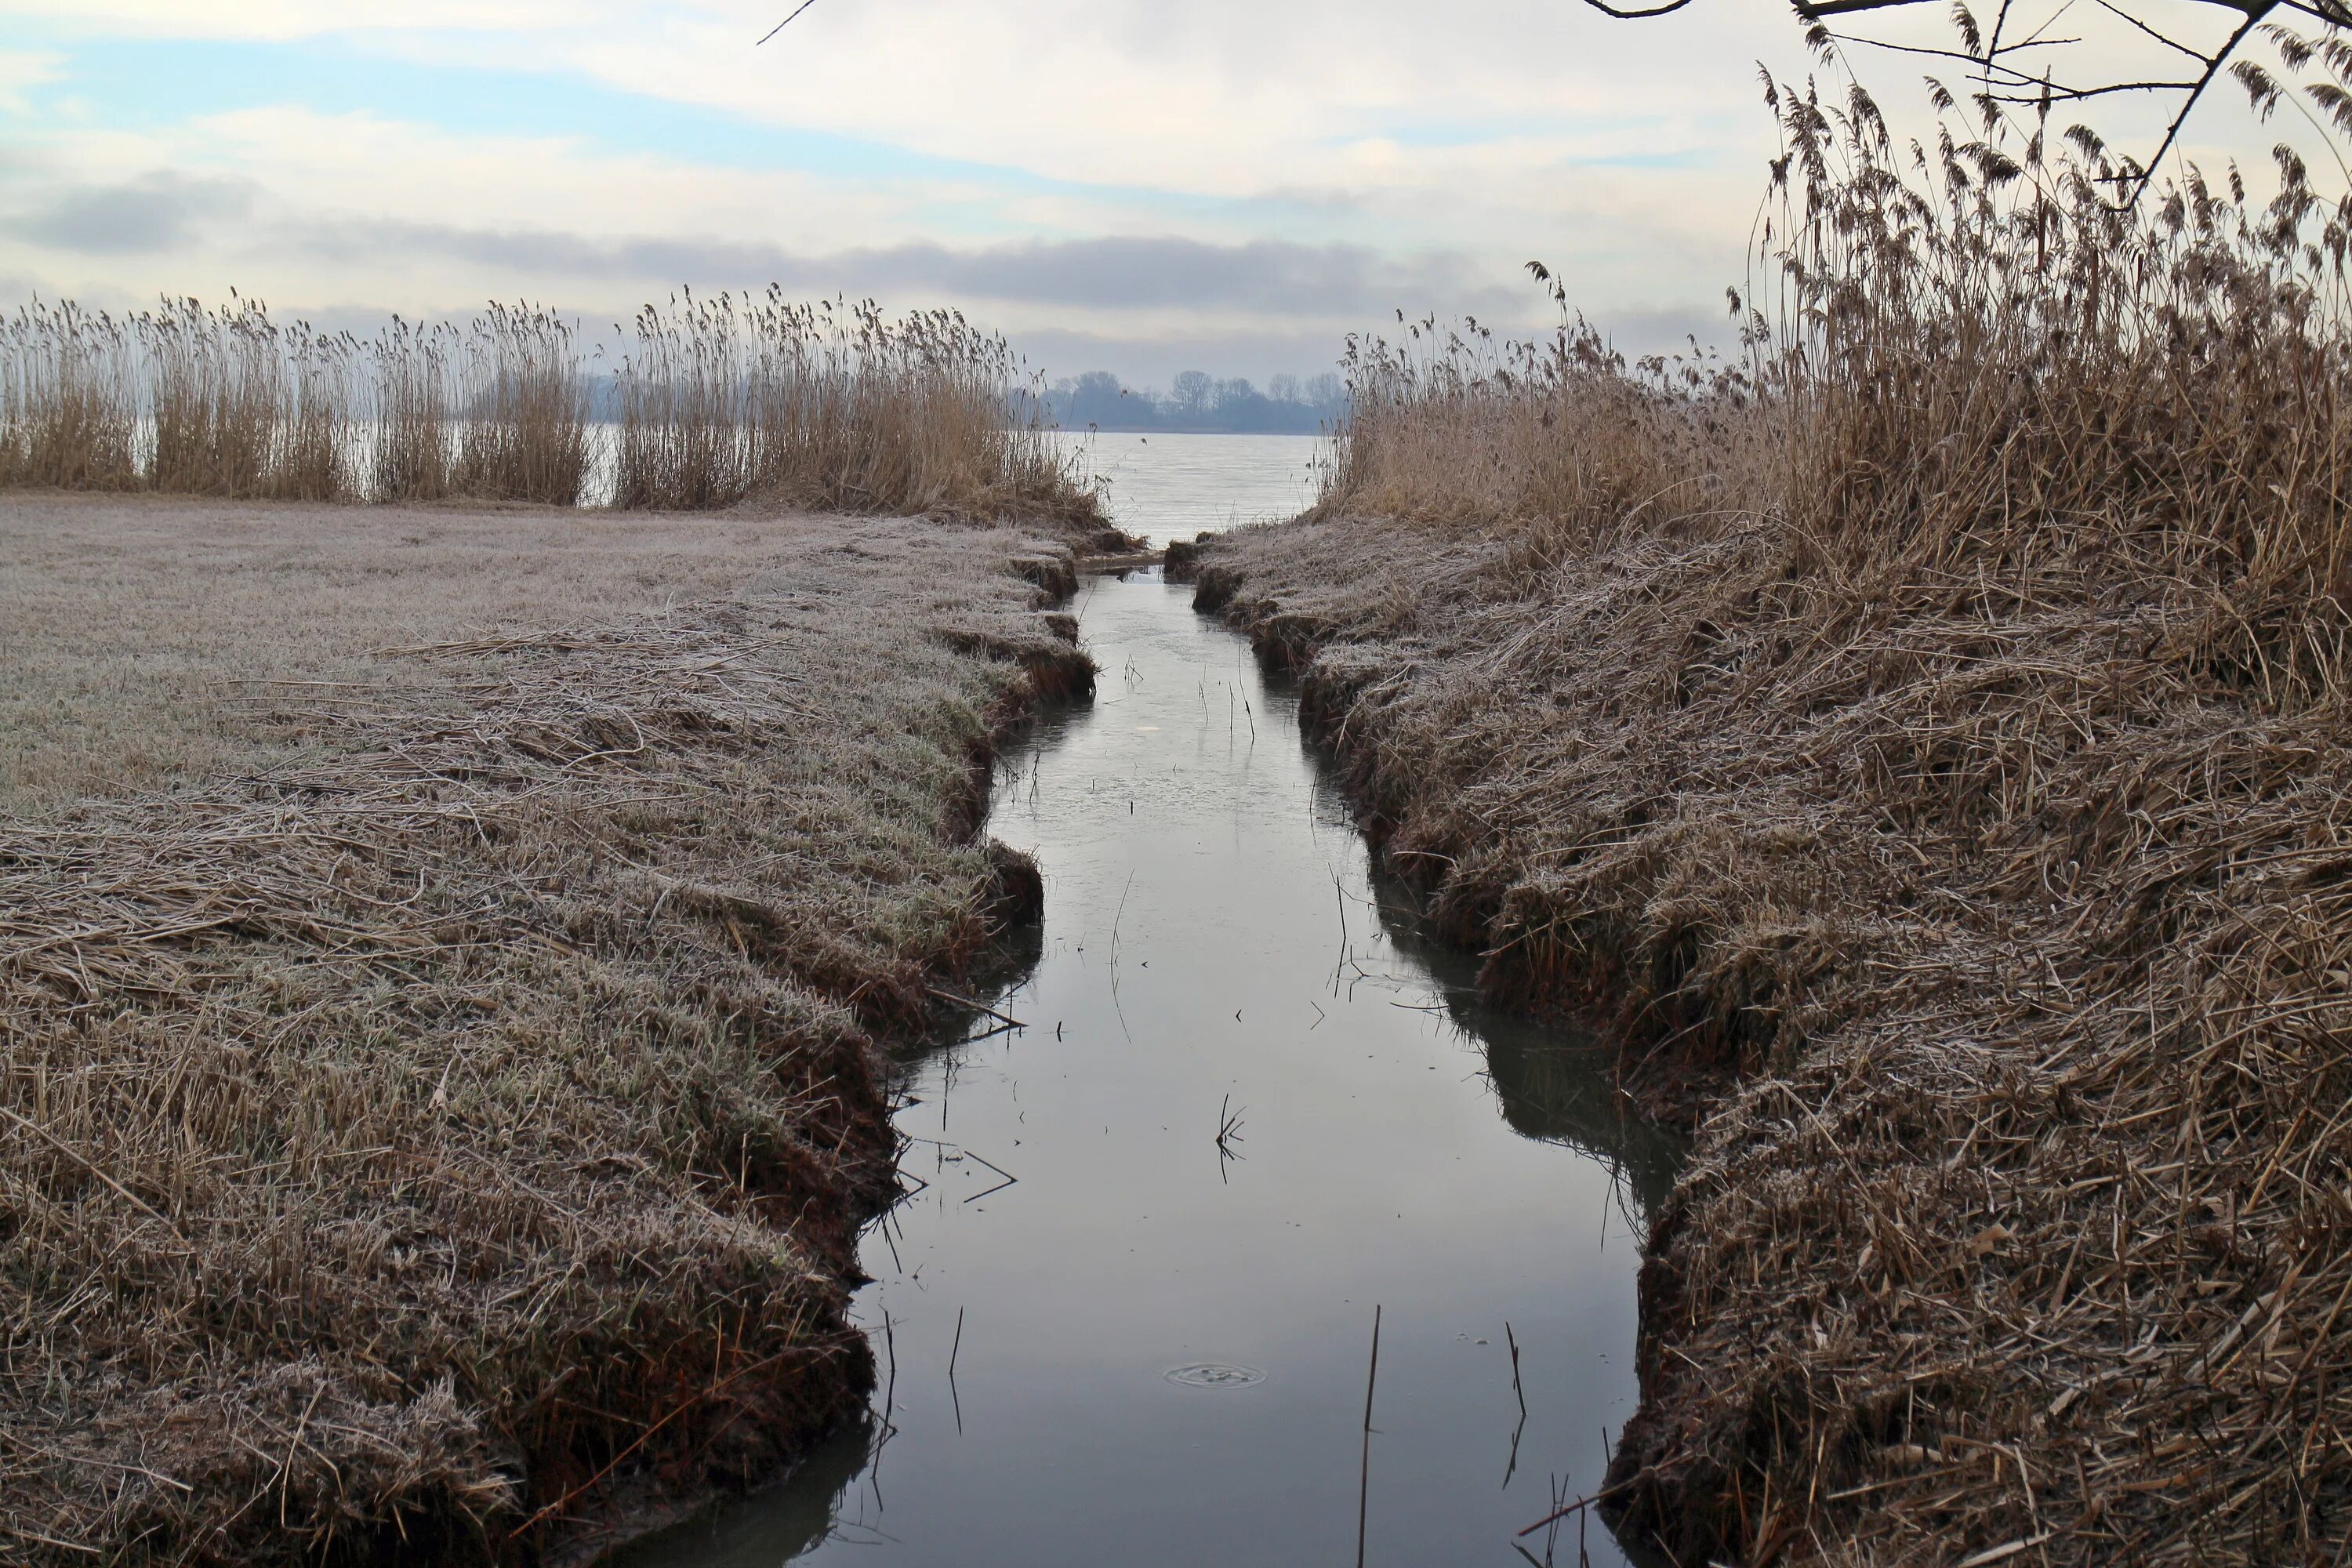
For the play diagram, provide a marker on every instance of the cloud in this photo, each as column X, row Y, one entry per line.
column 1164, row 273
column 155, row 213
column 21, row 71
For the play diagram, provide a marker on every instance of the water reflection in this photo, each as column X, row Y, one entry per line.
column 1549, row 1082
column 1250, row 1103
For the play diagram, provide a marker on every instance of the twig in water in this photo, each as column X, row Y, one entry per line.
column 955, row 1001
column 1513, row 1340
column 1229, row 1122
column 1009, row 1178
column 1581, row 1503
column 889, row 1405
column 953, row 1351
column 1364, row 1481
column 1118, row 916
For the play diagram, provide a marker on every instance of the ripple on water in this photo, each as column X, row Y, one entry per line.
column 1214, row 1375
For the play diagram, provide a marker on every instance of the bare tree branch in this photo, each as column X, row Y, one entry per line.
column 804, row 4
column 2005, row 83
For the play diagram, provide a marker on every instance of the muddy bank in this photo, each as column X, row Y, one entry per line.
column 439, row 1123
column 1993, row 936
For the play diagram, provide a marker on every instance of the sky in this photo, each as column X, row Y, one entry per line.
column 1224, row 184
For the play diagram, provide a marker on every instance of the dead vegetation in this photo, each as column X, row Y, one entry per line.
column 709, row 402
column 432, row 1136
column 1927, row 742
column 832, row 406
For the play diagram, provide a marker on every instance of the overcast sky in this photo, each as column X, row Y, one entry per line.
column 1230, row 185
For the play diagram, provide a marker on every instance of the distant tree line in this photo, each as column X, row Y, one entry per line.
column 1197, row 401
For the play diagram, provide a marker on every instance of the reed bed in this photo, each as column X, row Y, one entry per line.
column 68, row 408
column 524, row 405
column 1927, row 739
column 434, row 1145
column 712, row 401
column 242, row 407
column 832, row 405
column 415, row 421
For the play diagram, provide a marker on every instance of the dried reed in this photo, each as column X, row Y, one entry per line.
column 68, row 399
column 1926, row 738
column 834, row 406
column 828, row 405
column 414, row 429
column 525, row 404
column 243, row 407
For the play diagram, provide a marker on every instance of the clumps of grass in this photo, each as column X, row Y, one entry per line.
column 835, row 406
column 1924, row 738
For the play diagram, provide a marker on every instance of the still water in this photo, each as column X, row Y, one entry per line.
column 1167, row 487
column 1108, row 1336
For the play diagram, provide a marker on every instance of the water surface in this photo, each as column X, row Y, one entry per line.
column 1110, row 1337
column 1171, row 486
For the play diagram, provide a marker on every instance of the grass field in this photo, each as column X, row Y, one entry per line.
column 150, row 640
column 442, row 954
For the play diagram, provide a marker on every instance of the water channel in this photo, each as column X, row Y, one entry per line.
column 1110, row 1335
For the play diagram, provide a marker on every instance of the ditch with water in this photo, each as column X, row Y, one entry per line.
column 1126, row 1315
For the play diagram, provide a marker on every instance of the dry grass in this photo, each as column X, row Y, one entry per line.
column 1928, row 743
column 447, row 1116
column 829, row 406
column 145, row 637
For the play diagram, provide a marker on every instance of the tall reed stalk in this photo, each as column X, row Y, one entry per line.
column 241, row 406
column 414, row 430
column 685, row 439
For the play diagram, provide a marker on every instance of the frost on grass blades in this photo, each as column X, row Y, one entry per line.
column 699, row 404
